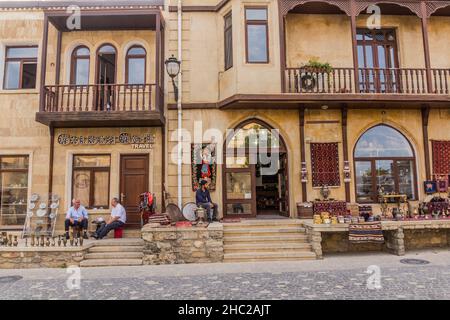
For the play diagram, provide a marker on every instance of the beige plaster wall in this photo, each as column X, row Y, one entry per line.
column 439, row 41
column 63, row 157
column 20, row 134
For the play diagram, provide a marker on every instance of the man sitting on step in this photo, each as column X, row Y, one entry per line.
column 76, row 217
column 115, row 221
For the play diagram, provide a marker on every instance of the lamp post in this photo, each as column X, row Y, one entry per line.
column 173, row 69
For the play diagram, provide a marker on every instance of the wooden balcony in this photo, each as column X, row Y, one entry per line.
column 101, row 105
column 392, row 81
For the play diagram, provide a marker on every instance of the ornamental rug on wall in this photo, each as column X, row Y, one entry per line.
column 203, row 164
column 325, row 164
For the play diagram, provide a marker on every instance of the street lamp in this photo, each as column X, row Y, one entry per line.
column 173, row 69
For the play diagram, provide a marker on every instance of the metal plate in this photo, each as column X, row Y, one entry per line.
column 42, row 205
column 34, row 197
column 189, row 211
column 41, row 212
column 174, row 212
column 54, row 205
column 10, row 279
column 32, row 206
column 55, row 197
column 414, row 261
column 30, row 214
column 52, row 215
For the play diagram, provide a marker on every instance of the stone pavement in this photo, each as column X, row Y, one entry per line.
column 335, row 277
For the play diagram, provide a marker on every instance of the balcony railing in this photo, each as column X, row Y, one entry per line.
column 100, row 98
column 371, row 80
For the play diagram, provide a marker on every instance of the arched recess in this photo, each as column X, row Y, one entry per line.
column 255, row 171
column 384, row 159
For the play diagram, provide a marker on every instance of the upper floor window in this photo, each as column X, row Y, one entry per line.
column 228, row 37
column 135, row 65
column 257, row 36
column 80, row 66
column 20, row 67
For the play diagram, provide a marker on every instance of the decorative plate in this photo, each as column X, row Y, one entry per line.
column 43, row 205
column 54, row 205
column 34, row 197
column 29, row 214
column 32, row 206
column 41, row 212
column 52, row 216
column 189, row 211
column 55, row 197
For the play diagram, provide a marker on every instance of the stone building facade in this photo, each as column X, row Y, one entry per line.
column 101, row 119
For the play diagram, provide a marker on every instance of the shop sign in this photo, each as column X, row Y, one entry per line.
column 145, row 141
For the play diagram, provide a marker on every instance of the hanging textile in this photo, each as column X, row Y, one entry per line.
column 325, row 164
column 441, row 158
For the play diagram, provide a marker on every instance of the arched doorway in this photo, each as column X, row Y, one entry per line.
column 384, row 158
column 255, row 174
column 106, row 77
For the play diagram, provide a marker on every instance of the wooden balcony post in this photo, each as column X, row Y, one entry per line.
column 158, row 65
column 42, row 96
column 426, row 47
column 425, row 116
column 345, row 148
column 301, row 114
column 354, row 45
column 282, row 35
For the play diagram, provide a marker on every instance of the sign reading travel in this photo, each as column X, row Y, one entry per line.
column 138, row 142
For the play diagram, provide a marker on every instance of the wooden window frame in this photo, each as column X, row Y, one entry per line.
column 135, row 56
column 227, row 29
column 256, row 22
column 22, row 62
column 372, row 160
column 74, row 63
column 92, row 171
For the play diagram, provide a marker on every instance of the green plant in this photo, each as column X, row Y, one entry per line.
column 317, row 65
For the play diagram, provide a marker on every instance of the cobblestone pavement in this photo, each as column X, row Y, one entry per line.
column 335, row 277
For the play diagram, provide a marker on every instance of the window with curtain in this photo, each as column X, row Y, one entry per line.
column 90, row 180
column 228, row 36
column 79, row 74
column 256, row 30
column 20, row 67
column 135, row 65
column 384, row 159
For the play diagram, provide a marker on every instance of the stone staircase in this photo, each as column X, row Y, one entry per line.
column 114, row 252
column 266, row 240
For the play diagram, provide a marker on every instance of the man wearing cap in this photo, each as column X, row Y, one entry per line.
column 77, row 216
column 203, row 199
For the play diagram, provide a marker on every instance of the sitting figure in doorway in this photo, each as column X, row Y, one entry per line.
column 76, row 217
column 203, row 199
column 117, row 220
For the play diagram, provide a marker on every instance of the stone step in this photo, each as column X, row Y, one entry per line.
column 266, row 247
column 119, row 242
column 279, row 238
column 266, row 256
column 114, row 255
column 116, row 249
column 263, row 231
column 264, row 223
column 110, row 262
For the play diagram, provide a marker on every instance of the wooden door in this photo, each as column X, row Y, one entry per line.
column 133, row 182
column 283, row 185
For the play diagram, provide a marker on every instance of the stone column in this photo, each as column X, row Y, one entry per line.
column 396, row 242
column 315, row 239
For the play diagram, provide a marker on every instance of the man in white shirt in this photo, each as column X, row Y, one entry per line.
column 117, row 219
column 76, row 216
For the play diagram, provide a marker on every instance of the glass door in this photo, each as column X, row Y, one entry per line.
column 239, row 184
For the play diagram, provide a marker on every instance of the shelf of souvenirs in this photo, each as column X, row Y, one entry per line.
column 14, row 188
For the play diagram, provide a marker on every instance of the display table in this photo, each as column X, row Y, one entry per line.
column 334, row 207
column 394, row 235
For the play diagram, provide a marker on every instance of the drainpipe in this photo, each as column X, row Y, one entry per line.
column 180, row 113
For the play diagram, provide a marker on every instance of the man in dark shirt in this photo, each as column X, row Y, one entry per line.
column 203, row 199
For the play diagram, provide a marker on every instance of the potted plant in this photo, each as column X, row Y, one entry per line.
column 311, row 71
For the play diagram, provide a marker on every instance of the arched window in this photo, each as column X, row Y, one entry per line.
column 79, row 74
column 135, row 65
column 384, row 159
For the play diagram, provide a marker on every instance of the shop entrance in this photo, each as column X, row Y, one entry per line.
column 255, row 173
column 133, row 182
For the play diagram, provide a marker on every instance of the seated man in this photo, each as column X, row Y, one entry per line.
column 203, row 199
column 76, row 217
column 116, row 220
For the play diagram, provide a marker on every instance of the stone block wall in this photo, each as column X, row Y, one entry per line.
column 22, row 258
column 426, row 238
column 171, row 245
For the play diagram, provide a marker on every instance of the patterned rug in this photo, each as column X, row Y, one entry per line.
column 365, row 232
